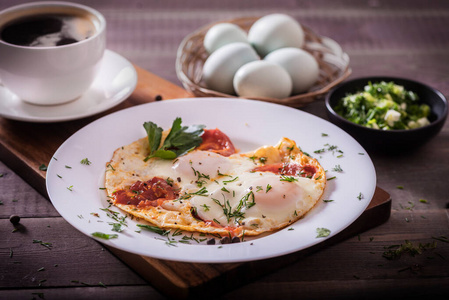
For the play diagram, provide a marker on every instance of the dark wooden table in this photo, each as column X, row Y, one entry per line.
column 397, row 38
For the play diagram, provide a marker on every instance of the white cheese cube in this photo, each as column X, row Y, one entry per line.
column 423, row 122
column 392, row 116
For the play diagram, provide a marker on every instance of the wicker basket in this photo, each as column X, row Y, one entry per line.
column 333, row 62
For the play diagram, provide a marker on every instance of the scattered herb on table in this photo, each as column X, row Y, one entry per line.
column 384, row 105
column 412, row 205
column 48, row 245
column 43, row 167
column 395, row 251
column 42, row 281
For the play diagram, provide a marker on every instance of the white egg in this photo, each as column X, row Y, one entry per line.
column 301, row 65
column 222, row 34
column 220, row 67
column 262, row 79
column 275, row 31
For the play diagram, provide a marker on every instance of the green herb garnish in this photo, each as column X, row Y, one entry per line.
column 269, row 187
column 116, row 227
column 322, row 232
column 154, row 229
column 337, row 168
column 231, row 180
column 201, row 192
column 179, row 141
column 104, row 235
column 85, row 161
column 395, row 251
column 384, row 105
column 288, row 178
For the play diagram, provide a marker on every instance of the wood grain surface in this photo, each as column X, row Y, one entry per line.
column 406, row 38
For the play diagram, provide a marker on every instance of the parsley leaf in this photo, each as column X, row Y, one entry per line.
column 179, row 141
column 154, row 135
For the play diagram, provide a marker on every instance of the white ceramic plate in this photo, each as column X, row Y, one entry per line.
column 116, row 80
column 75, row 188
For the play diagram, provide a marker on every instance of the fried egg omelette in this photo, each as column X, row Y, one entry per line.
column 213, row 188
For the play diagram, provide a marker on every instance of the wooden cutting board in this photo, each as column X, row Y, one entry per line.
column 24, row 147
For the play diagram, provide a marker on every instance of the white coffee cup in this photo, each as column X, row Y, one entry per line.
column 49, row 75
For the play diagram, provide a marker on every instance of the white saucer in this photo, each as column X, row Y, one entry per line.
column 116, row 80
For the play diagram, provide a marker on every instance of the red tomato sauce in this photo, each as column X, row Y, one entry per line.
column 216, row 141
column 143, row 194
column 288, row 169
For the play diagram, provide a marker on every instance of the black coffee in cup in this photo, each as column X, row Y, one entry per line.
column 46, row 30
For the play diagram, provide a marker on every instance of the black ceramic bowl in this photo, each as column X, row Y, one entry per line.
column 390, row 140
